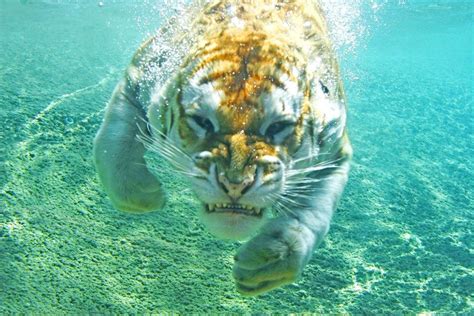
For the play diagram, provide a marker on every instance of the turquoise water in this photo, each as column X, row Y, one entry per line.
column 401, row 240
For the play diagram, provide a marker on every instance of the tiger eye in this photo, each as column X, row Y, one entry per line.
column 277, row 127
column 204, row 123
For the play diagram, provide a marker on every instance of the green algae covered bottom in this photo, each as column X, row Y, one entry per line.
column 401, row 241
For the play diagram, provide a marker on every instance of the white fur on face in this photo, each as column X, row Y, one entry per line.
column 202, row 100
column 231, row 226
column 279, row 105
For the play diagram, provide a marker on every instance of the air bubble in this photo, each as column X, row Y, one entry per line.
column 68, row 120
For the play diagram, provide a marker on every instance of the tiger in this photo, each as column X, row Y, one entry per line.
column 247, row 102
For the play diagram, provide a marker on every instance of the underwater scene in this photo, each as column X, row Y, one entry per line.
column 400, row 241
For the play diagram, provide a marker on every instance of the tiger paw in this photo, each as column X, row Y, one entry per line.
column 137, row 195
column 273, row 258
column 140, row 201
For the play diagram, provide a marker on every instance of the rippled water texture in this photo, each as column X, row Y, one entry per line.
column 400, row 242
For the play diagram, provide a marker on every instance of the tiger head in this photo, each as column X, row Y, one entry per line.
column 238, row 115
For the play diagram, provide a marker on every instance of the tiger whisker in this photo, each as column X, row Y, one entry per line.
column 160, row 147
column 296, row 189
column 172, row 159
column 327, row 162
column 159, row 170
column 288, row 199
column 178, row 167
column 309, row 157
column 296, row 181
column 162, row 150
column 317, row 167
column 278, row 209
column 153, row 168
column 297, row 172
column 310, row 193
column 284, row 208
column 282, row 197
column 280, row 206
column 163, row 142
column 167, row 150
column 303, row 181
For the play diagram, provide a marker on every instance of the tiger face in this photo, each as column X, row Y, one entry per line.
column 241, row 114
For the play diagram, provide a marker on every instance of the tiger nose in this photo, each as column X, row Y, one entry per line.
column 235, row 190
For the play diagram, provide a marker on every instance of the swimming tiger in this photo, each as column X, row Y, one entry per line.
column 247, row 102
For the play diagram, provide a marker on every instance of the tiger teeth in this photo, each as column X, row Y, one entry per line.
column 225, row 207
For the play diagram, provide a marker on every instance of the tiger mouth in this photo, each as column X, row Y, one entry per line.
column 234, row 208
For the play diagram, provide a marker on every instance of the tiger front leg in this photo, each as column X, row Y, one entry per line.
column 119, row 157
column 278, row 255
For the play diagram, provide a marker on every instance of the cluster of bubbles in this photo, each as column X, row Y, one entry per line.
column 154, row 13
column 171, row 18
column 349, row 21
column 350, row 24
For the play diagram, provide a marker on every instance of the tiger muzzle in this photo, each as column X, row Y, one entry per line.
column 237, row 187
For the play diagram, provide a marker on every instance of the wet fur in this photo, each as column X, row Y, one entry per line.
column 245, row 65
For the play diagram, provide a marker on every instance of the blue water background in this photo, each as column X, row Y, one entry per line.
column 401, row 240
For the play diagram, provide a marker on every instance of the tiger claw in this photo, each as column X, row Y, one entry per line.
column 274, row 258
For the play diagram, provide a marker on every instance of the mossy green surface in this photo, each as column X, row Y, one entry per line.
column 401, row 241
